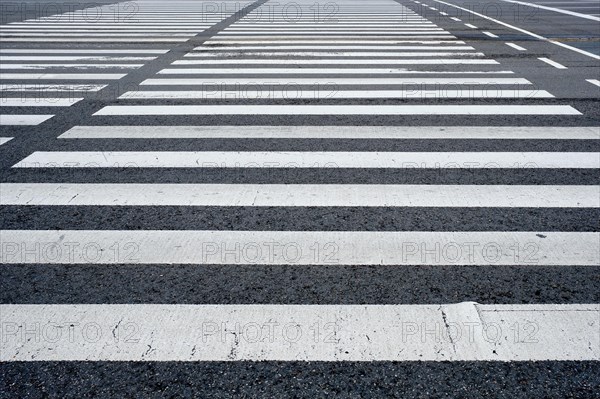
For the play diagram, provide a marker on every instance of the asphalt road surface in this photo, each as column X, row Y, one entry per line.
column 304, row 199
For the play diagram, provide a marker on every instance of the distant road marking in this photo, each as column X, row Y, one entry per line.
column 494, row 196
column 95, row 39
column 443, row 13
column 456, row 19
column 4, row 140
column 82, row 51
column 516, row 46
column 318, row 41
column 73, row 66
column 335, row 132
column 594, row 82
column 300, row 333
column 73, row 58
column 310, row 159
column 318, row 47
column 325, row 93
column 594, row 56
column 559, row 10
column 553, row 63
column 382, row 248
column 471, row 26
column 338, row 53
column 339, row 61
column 292, row 82
column 319, row 71
column 59, row 76
column 44, row 88
column 490, row 34
column 23, row 120
column 127, row 110
column 38, row 102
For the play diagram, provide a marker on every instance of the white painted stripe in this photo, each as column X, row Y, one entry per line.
column 300, row 195
column 4, row 140
column 17, row 87
column 471, row 26
column 85, row 34
column 326, row 93
column 316, row 40
column 560, row 10
column 340, row 53
column 490, row 34
column 385, row 248
column 595, row 82
column 443, row 13
column 81, row 51
column 335, row 333
column 73, row 58
column 553, row 63
column 413, row 31
column 587, row 53
column 335, row 132
column 73, row 66
column 291, row 81
column 304, row 71
column 93, row 40
column 125, row 110
column 456, row 19
column 339, row 61
column 59, row 76
column 516, row 46
column 355, row 38
column 339, row 47
column 38, row 102
column 312, row 159
column 23, row 120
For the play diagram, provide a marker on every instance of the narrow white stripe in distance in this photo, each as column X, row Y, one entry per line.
column 340, row 61
column 44, row 88
column 60, row 76
column 93, row 40
column 335, row 333
column 337, row 47
column 443, row 13
column 295, row 81
column 337, row 53
column 38, row 102
column 116, row 194
column 455, row 19
column 334, row 132
column 595, row 82
column 4, row 140
column 471, row 26
column 74, row 58
column 328, row 93
column 86, row 34
column 23, row 120
column 312, row 159
column 82, row 51
column 316, row 40
column 516, row 46
column 282, row 36
column 553, row 63
column 489, row 34
column 127, row 110
column 302, row 71
column 72, row 66
column 559, row 10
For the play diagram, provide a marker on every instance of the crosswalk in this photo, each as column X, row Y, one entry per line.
column 301, row 141
column 87, row 49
